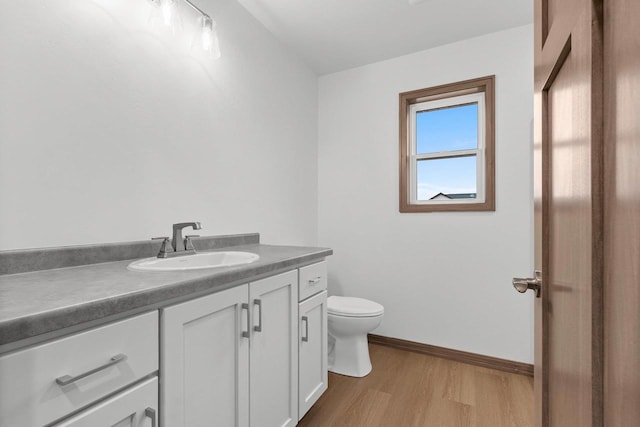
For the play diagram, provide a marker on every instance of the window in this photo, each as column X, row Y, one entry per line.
column 447, row 147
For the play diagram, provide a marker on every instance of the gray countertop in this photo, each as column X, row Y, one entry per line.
column 39, row 302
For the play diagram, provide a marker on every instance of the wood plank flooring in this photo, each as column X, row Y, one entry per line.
column 407, row 389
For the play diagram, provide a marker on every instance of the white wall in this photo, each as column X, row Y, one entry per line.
column 111, row 129
column 444, row 278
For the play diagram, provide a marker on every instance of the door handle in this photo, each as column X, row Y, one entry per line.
column 523, row 284
column 305, row 337
column 68, row 379
column 151, row 413
column 245, row 334
column 259, row 304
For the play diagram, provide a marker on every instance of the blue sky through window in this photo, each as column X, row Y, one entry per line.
column 447, row 129
column 455, row 175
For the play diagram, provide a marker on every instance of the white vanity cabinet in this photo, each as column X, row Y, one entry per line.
column 50, row 381
column 231, row 358
column 312, row 311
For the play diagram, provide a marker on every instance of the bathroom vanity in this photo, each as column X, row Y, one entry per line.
column 99, row 344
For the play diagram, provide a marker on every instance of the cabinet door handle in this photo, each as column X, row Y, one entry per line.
column 259, row 304
column 68, row 379
column 151, row 413
column 245, row 334
column 305, row 337
column 314, row 281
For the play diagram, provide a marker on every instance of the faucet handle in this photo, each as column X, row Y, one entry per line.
column 188, row 243
column 165, row 248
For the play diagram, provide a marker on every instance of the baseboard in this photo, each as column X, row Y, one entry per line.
column 456, row 355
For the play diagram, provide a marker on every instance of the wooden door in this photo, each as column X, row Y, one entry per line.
column 205, row 361
column 313, row 374
column 274, row 351
column 569, row 212
column 622, row 212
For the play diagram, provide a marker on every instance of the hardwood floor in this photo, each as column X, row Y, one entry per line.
column 407, row 389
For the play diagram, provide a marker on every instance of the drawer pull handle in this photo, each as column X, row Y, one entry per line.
column 305, row 338
column 259, row 304
column 151, row 413
column 315, row 281
column 68, row 379
column 245, row 334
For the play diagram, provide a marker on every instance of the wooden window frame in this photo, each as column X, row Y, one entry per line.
column 484, row 85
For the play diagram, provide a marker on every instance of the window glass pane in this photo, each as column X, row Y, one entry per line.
column 447, row 179
column 447, row 129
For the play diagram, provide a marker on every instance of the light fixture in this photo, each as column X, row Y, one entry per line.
column 169, row 14
column 208, row 38
column 166, row 11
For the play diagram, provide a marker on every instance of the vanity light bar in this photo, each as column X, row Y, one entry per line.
column 197, row 9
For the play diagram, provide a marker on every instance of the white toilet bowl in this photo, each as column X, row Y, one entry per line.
column 350, row 320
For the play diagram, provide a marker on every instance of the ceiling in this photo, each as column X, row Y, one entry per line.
column 333, row 35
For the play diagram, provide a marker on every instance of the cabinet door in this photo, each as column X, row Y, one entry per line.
column 205, row 361
column 136, row 407
column 313, row 377
column 274, row 351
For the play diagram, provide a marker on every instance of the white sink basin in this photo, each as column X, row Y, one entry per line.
column 194, row 262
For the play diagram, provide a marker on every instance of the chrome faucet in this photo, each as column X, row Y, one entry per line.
column 177, row 242
column 177, row 246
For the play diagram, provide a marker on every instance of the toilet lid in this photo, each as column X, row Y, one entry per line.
column 353, row 307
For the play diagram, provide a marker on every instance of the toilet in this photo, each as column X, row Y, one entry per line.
column 349, row 321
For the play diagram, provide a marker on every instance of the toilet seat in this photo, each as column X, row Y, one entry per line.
column 353, row 307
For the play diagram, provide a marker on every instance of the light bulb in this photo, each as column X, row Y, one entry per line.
column 209, row 37
column 169, row 13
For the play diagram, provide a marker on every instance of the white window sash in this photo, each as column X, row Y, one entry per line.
column 479, row 152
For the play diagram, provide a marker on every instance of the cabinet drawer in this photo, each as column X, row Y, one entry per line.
column 312, row 279
column 135, row 407
column 30, row 390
